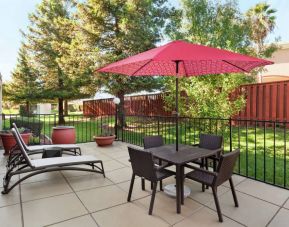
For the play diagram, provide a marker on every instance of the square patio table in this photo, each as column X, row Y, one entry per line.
column 179, row 158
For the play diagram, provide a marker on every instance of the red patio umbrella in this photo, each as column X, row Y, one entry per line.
column 183, row 59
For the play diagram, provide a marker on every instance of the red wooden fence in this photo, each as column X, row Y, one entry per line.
column 265, row 101
column 148, row 105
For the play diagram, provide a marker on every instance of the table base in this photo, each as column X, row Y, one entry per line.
column 170, row 190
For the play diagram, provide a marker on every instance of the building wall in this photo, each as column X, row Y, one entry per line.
column 279, row 71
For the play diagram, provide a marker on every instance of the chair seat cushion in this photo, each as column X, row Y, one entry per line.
column 63, row 161
column 201, row 177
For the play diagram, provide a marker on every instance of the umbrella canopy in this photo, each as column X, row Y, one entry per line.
column 194, row 60
column 180, row 58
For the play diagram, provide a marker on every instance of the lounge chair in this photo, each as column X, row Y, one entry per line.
column 22, row 164
column 75, row 149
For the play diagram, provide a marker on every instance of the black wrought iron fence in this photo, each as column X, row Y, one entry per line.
column 263, row 144
column 42, row 124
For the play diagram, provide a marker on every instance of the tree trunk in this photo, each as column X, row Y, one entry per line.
column 61, row 120
column 121, row 112
column 65, row 107
column 27, row 107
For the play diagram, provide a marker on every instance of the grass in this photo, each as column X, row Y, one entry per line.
column 263, row 149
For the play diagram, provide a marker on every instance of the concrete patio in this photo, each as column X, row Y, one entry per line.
column 85, row 199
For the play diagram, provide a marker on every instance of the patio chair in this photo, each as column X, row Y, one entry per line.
column 70, row 148
column 143, row 166
column 150, row 142
column 211, row 142
column 214, row 179
column 22, row 164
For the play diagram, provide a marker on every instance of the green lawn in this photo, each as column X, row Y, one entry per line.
column 263, row 161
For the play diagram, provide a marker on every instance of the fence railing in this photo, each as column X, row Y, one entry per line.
column 41, row 124
column 263, row 144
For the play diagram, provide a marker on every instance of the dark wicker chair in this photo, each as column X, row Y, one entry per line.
column 150, row 142
column 212, row 142
column 214, row 179
column 143, row 166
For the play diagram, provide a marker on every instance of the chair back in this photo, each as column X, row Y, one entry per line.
column 142, row 163
column 211, row 142
column 19, row 136
column 153, row 141
column 226, row 166
column 23, row 151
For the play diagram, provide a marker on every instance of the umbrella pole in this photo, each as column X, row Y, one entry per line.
column 177, row 113
column 177, row 105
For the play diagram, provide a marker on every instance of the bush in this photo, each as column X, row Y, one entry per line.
column 34, row 126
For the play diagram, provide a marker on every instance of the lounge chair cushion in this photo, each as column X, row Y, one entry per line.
column 62, row 161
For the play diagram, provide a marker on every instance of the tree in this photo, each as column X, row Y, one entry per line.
column 261, row 19
column 218, row 24
column 118, row 29
column 25, row 85
column 49, row 39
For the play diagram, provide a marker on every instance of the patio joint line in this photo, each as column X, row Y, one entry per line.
column 21, row 206
column 47, row 197
column 140, row 204
column 79, row 199
column 259, row 198
column 66, row 220
column 277, row 212
column 206, row 205
column 115, row 169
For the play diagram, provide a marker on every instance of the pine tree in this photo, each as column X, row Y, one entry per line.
column 49, row 39
column 25, row 86
column 116, row 29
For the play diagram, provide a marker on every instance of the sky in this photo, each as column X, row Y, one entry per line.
column 14, row 17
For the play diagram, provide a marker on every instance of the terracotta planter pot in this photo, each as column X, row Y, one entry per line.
column 63, row 135
column 8, row 141
column 104, row 140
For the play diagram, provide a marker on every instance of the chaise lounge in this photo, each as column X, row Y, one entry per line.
column 23, row 164
column 75, row 149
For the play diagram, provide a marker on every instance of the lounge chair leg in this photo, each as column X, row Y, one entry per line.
column 161, row 185
column 130, row 187
column 152, row 185
column 143, row 187
column 102, row 169
column 155, row 184
column 234, row 192
column 217, row 204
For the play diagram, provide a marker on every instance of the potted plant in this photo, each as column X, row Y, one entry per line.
column 8, row 140
column 106, row 137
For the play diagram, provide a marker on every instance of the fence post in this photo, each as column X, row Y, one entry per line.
column 230, row 122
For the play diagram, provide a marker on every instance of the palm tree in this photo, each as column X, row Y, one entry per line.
column 262, row 20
